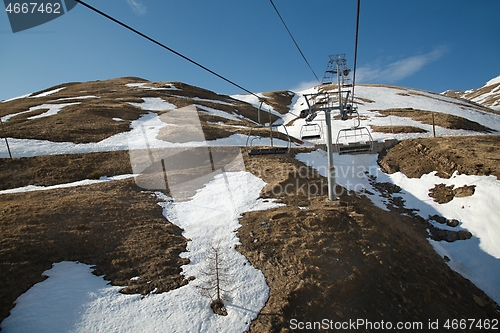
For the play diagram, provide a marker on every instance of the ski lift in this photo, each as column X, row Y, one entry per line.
column 311, row 131
column 268, row 148
column 354, row 140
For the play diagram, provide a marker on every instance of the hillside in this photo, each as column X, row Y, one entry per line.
column 488, row 95
column 137, row 181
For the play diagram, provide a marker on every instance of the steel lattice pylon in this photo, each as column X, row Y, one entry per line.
column 336, row 63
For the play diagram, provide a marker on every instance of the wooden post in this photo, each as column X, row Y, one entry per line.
column 5, row 137
column 433, row 125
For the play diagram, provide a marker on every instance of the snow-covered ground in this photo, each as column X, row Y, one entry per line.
column 478, row 258
column 391, row 97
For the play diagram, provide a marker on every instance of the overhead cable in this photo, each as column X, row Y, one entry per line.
column 297, row 45
column 164, row 46
column 355, row 52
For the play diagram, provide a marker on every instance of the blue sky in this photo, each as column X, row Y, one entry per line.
column 428, row 44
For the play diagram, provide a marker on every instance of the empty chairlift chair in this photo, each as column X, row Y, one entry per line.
column 268, row 147
column 311, row 131
column 354, row 140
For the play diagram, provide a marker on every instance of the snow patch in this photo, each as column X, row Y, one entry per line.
column 53, row 109
column 76, row 97
column 72, row 299
column 493, row 81
column 218, row 113
column 47, row 93
column 31, row 188
column 154, row 104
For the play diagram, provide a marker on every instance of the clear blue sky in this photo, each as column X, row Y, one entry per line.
column 428, row 44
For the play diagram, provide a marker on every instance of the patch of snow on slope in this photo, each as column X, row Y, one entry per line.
column 137, row 85
column 76, row 97
column 84, row 182
column 255, row 102
column 14, row 98
column 477, row 258
column 74, row 300
column 154, row 104
column 493, row 81
column 143, row 85
column 52, row 110
column 47, row 93
column 218, row 113
column 478, row 213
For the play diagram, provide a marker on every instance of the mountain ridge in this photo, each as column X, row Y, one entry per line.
column 487, row 95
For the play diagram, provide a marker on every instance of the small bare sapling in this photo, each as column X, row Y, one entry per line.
column 215, row 278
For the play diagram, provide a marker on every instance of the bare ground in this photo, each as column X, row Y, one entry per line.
column 60, row 169
column 320, row 261
column 439, row 119
column 397, row 129
column 347, row 261
column 113, row 226
column 471, row 155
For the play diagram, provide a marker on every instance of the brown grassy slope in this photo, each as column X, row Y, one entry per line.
column 440, row 119
column 89, row 121
column 348, row 261
column 60, row 169
column 92, row 119
column 397, row 129
column 472, row 155
column 280, row 100
column 114, row 226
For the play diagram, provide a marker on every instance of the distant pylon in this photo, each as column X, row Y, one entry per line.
column 337, row 62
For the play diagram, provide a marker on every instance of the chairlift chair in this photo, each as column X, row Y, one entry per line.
column 267, row 149
column 311, row 131
column 354, row 140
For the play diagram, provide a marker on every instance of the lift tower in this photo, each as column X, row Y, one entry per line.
column 324, row 102
column 337, row 65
